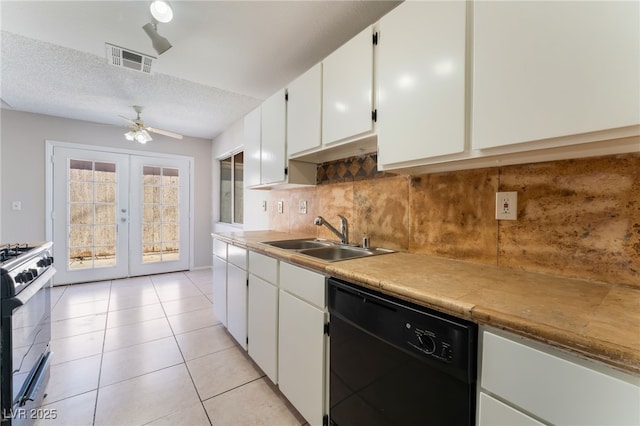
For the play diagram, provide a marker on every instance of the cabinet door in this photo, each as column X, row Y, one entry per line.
column 252, row 155
column 551, row 69
column 274, row 116
column 301, row 356
column 237, row 304
column 347, row 85
column 263, row 325
column 304, row 112
column 420, row 66
column 220, row 289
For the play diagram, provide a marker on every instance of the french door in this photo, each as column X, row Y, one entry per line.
column 159, row 227
column 116, row 214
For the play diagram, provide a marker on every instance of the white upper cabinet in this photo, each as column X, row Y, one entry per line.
column 552, row 69
column 304, row 112
column 252, row 148
column 420, row 73
column 274, row 128
column 347, row 89
column 275, row 170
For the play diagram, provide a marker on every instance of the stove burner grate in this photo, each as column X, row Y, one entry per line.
column 11, row 251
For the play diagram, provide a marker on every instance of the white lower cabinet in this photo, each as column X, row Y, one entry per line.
column 237, row 304
column 302, row 343
column 220, row 289
column 301, row 356
column 220, row 281
column 263, row 313
column 523, row 382
column 287, row 314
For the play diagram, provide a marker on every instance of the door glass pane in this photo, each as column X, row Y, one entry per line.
column 105, row 214
column 92, row 214
column 238, row 184
column 160, row 226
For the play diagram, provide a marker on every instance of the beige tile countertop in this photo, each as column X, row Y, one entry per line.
column 592, row 319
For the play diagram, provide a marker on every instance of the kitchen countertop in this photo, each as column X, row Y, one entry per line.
column 595, row 320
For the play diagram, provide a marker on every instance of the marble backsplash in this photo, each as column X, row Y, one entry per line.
column 576, row 218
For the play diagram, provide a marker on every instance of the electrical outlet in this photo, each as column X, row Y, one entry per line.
column 280, row 207
column 303, row 207
column 507, row 205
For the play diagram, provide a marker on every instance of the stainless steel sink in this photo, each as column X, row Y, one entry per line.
column 298, row 244
column 326, row 250
column 342, row 252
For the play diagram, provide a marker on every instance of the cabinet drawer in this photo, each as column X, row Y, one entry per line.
column 307, row 285
column 220, row 249
column 237, row 256
column 493, row 412
column 264, row 267
column 556, row 387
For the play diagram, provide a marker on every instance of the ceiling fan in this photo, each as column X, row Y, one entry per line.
column 140, row 133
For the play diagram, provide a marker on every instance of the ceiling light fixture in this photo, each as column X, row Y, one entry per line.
column 138, row 135
column 159, row 43
column 161, row 11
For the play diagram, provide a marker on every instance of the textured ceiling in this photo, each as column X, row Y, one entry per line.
column 226, row 57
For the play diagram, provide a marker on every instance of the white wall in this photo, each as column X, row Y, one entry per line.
column 22, row 171
column 232, row 140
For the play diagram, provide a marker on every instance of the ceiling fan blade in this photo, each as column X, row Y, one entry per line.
column 147, row 135
column 128, row 119
column 164, row 132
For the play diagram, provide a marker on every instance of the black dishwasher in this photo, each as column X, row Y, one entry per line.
column 396, row 363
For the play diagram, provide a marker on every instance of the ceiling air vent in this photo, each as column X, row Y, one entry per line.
column 126, row 58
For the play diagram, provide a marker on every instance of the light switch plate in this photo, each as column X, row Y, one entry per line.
column 280, row 207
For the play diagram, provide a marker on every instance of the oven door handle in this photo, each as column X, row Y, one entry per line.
column 28, row 292
column 35, row 380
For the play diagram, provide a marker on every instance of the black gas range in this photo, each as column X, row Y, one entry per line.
column 26, row 274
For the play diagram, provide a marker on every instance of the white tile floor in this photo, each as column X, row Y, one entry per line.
column 149, row 351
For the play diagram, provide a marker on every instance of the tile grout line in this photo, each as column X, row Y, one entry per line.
column 236, row 387
column 184, row 361
column 104, row 328
column 104, row 338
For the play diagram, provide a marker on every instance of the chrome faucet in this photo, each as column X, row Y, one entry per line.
column 343, row 234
